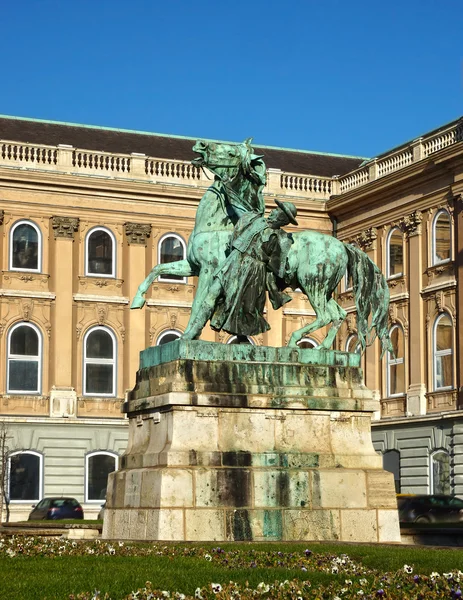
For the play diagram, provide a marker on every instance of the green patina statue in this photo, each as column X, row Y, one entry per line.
column 239, row 256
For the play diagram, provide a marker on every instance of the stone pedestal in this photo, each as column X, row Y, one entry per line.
column 241, row 442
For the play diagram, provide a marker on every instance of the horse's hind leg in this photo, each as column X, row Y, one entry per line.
column 323, row 317
column 338, row 314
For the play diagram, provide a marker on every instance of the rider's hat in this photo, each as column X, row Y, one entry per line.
column 289, row 209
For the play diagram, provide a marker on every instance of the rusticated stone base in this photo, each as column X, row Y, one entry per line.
column 226, row 445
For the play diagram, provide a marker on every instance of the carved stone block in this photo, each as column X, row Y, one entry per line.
column 65, row 227
column 137, row 233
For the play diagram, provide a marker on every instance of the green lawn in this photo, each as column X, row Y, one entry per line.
column 56, row 577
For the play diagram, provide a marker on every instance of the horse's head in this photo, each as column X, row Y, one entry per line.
column 226, row 160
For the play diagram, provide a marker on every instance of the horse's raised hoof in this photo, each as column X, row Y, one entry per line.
column 138, row 302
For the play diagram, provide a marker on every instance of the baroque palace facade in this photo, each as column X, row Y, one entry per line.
column 86, row 212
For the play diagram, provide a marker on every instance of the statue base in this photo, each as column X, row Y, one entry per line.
column 240, row 442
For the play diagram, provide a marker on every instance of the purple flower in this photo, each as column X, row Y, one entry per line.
column 308, row 552
column 380, row 592
column 416, row 578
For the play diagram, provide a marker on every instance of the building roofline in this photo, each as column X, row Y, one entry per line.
column 168, row 135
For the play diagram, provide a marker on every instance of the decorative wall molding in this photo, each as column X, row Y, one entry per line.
column 411, row 224
column 2, row 215
column 367, row 239
column 65, row 227
column 137, row 233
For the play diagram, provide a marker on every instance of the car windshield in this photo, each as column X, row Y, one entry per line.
column 65, row 502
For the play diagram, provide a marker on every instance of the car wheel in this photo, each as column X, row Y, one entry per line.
column 422, row 520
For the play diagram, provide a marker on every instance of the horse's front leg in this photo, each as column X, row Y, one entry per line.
column 181, row 268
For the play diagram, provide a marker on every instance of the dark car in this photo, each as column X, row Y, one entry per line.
column 57, row 508
column 430, row 509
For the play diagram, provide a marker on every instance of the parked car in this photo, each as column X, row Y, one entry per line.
column 56, row 508
column 429, row 509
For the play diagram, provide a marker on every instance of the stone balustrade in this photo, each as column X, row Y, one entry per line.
column 66, row 159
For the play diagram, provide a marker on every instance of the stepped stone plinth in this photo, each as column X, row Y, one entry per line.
column 240, row 442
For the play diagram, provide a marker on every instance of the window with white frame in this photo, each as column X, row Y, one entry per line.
column 168, row 336
column 24, row 360
column 100, row 362
column 25, row 247
column 443, row 352
column 98, row 465
column 441, row 238
column 171, row 248
column 395, row 253
column 353, row 344
column 440, row 472
column 307, row 342
column 395, row 376
column 25, row 476
column 240, row 339
column 100, row 253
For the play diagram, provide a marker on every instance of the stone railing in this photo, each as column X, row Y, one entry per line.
column 401, row 158
column 66, row 159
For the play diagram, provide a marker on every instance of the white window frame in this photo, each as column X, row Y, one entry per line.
column 431, row 466
column 39, row 247
column 165, row 278
column 87, row 459
column 40, row 456
column 308, row 339
column 234, row 337
column 112, row 275
column 168, row 332
column 434, row 259
column 349, row 341
column 445, row 352
column 388, row 255
column 99, row 361
column 391, row 362
column 23, row 357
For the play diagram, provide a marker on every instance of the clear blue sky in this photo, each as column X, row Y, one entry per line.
column 349, row 77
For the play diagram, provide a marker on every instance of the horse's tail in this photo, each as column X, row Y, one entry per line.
column 371, row 298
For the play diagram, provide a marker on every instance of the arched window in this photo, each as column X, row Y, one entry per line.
column 24, row 368
column 443, row 352
column 168, row 336
column 171, row 248
column 25, row 247
column 440, row 472
column 395, row 253
column 100, row 253
column 240, row 339
column 353, row 344
column 100, row 362
column 391, row 463
column 441, row 238
column 98, row 465
column 395, row 377
column 25, row 476
column 306, row 342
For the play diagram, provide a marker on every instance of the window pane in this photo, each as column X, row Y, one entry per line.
column 99, row 467
column 100, row 248
column 171, row 251
column 444, row 371
column 396, row 379
column 353, row 345
column 305, row 343
column 391, row 463
column 23, row 375
column 99, row 344
column 24, row 341
column 99, row 379
column 24, row 477
column 442, row 238
column 169, row 337
column 444, row 334
column 396, row 253
column 25, row 247
column 397, row 342
column 441, row 473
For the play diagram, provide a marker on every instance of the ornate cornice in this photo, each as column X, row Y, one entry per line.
column 137, row 233
column 65, row 227
column 411, row 224
column 367, row 239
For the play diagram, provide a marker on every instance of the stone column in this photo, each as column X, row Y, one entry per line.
column 62, row 347
column 135, row 271
column 416, row 393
